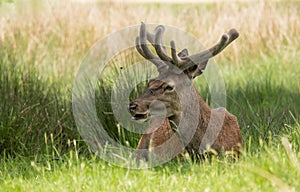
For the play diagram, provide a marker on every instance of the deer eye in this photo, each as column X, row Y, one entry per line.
column 169, row 88
column 151, row 92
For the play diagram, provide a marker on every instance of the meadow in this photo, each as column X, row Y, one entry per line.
column 42, row 44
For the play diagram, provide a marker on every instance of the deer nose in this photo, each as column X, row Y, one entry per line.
column 132, row 107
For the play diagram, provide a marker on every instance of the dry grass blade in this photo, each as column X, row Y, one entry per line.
column 287, row 146
column 265, row 174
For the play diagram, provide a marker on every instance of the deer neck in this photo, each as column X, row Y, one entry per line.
column 204, row 114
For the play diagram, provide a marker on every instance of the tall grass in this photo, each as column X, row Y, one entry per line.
column 31, row 107
column 39, row 59
column 60, row 37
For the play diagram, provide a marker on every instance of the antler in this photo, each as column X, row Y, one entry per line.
column 197, row 59
column 156, row 41
column 181, row 60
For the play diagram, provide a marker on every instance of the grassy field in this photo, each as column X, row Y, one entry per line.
column 43, row 43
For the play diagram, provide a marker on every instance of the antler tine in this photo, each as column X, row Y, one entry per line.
column 203, row 56
column 159, row 47
column 230, row 36
column 233, row 34
column 143, row 43
column 142, row 48
column 138, row 47
column 176, row 59
column 219, row 46
column 151, row 38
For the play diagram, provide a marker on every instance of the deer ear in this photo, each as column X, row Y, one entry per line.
column 200, row 69
column 196, row 70
column 202, row 66
column 183, row 53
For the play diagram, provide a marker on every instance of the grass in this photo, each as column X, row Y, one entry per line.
column 274, row 169
column 41, row 149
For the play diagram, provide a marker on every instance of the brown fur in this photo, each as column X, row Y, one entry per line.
column 172, row 96
column 157, row 134
column 229, row 138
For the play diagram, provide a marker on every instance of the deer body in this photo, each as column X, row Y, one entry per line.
column 173, row 93
column 228, row 139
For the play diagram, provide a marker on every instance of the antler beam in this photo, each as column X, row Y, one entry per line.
column 196, row 59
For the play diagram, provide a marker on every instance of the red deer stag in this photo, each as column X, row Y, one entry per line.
column 167, row 92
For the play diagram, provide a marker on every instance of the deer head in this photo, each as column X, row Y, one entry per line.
column 176, row 74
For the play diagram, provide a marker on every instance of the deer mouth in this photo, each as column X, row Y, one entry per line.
column 141, row 117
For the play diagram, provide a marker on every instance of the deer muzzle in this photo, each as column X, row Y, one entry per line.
column 142, row 111
column 138, row 112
